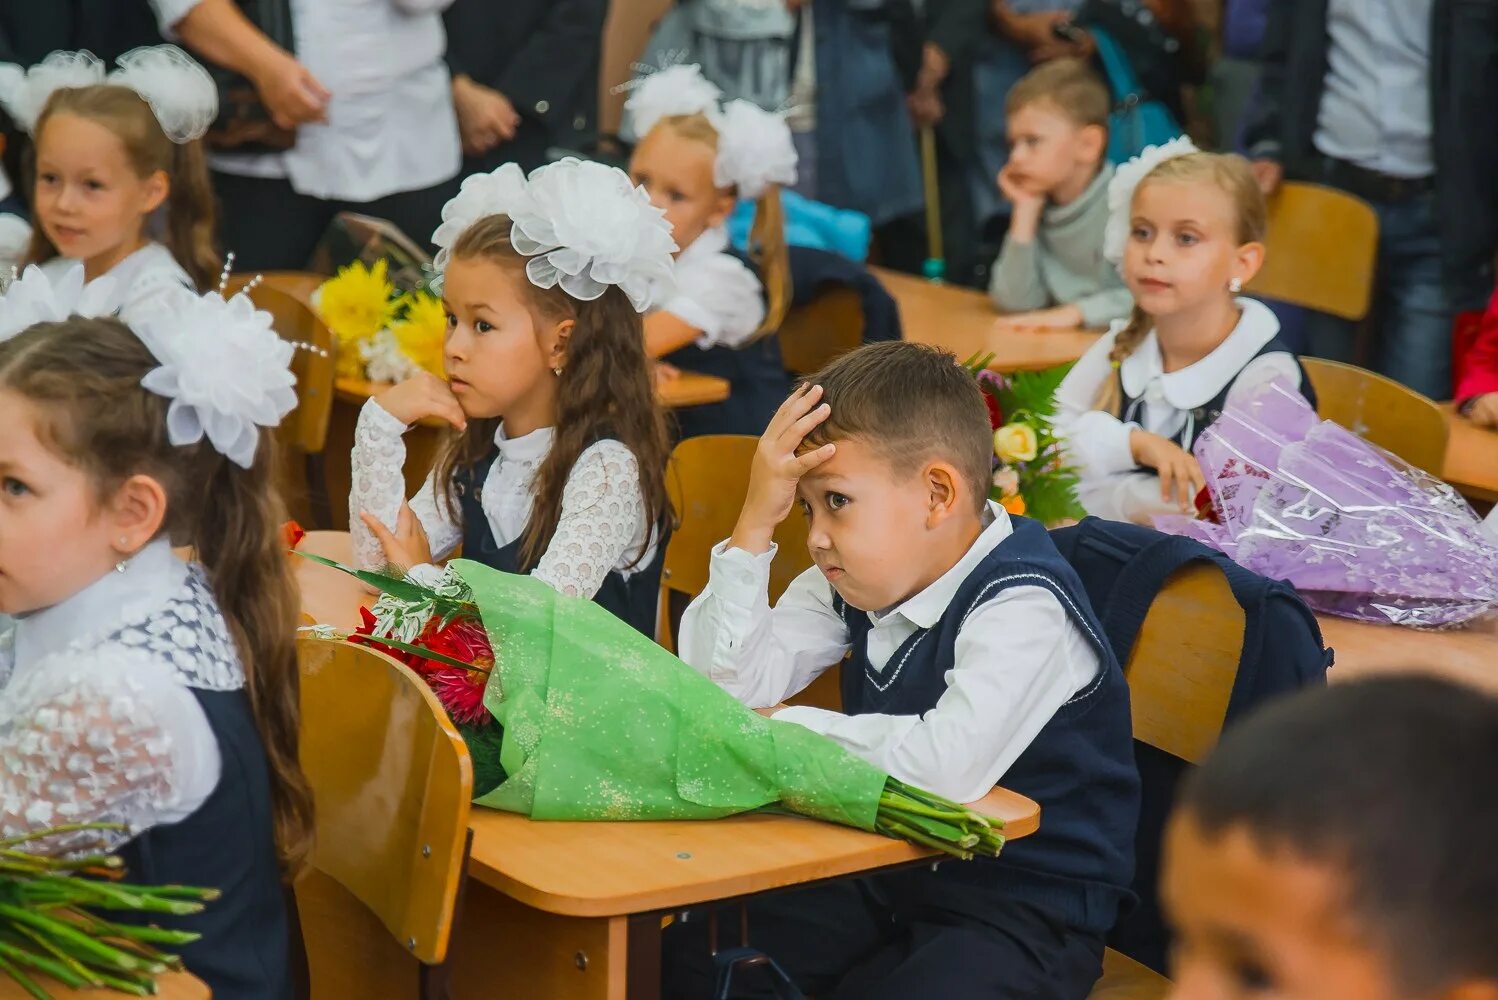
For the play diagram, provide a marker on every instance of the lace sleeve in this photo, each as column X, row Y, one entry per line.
column 88, row 738
column 379, row 487
column 603, row 517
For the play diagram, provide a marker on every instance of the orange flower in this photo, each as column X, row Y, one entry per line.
column 1013, row 504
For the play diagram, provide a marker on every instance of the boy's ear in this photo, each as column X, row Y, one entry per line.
column 1093, row 142
column 946, row 495
column 722, row 208
column 1250, row 258
column 136, row 512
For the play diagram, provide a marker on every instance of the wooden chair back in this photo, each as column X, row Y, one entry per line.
column 392, row 783
column 306, row 428
column 1390, row 415
column 814, row 333
column 1320, row 250
column 707, row 480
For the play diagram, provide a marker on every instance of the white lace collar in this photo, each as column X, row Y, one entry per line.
column 150, row 579
column 530, row 447
column 1196, row 385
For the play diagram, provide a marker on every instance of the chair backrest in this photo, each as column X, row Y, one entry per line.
column 1184, row 662
column 1320, row 250
column 815, row 332
column 1390, row 415
column 707, row 480
column 392, row 782
column 306, row 428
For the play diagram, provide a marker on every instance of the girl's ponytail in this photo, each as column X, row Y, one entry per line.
column 191, row 215
column 1110, row 395
column 770, row 253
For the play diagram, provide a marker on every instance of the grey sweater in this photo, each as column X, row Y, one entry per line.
column 1064, row 264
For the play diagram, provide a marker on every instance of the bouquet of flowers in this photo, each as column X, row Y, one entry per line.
column 1030, row 475
column 1359, row 532
column 381, row 333
column 50, row 923
column 571, row 714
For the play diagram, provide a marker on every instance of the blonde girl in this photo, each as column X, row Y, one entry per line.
column 696, row 159
column 1186, row 231
column 120, row 177
column 137, row 688
column 558, row 465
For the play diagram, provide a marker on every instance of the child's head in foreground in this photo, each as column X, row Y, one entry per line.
column 1057, row 124
column 902, row 498
column 1340, row 845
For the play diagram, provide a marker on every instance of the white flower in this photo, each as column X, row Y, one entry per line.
column 482, row 195
column 666, row 93
column 585, row 227
column 24, row 92
column 179, row 91
column 225, row 370
column 755, row 150
column 34, row 298
column 384, row 361
column 1121, row 191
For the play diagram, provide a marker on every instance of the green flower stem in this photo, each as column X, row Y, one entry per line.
column 41, row 963
column 24, row 981
column 79, row 943
column 79, row 969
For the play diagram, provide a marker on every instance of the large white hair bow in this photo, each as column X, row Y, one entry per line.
column 1121, row 191
column 582, row 224
column 755, row 150
column 666, row 93
column 34, row 298
column 225, row 370
column 182, row 95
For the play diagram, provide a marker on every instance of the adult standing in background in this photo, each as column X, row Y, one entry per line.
column 524, row 77
column 1393, row 101
column 384, row 141
column 30, row 29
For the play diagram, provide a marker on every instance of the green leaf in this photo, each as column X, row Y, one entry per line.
column 425, row 654
column 400, row 588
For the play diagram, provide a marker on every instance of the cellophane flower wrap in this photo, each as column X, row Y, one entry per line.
column 1358, row 531
column 595, row 721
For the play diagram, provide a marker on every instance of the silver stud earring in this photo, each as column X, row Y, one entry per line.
column 1235, row 286
column 557, row 371
column 119, row 567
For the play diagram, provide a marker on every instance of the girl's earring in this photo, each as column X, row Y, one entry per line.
column 119, row 567
column 557, row 371
column 1235, row 286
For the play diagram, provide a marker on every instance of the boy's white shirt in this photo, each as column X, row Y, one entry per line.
column 1098, row 442
column 1018, row 659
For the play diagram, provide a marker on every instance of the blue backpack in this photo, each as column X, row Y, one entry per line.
column 1122, row 568
column 1136, row 121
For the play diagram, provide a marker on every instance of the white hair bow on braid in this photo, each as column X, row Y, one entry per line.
column 668, row 93
column 1121, row 192
column 583, row 225
column 34, row 298
column 182, row 95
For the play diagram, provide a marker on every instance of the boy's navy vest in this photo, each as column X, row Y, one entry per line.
column 1080, row 767
column 227, row 844
column 757, row 379
column 1206, row 415
column 632, row 598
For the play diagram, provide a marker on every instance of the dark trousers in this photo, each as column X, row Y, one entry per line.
column 846, row 941
column 271, row 227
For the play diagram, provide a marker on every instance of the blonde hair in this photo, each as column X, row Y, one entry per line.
column 1069, row 85
column 189, row 204
column 1230, row 174
column 767, row 246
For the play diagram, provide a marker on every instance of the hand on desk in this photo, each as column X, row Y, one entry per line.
column 1058, row 318
column 665, row 373
column 769, row 713
column 1483, row 410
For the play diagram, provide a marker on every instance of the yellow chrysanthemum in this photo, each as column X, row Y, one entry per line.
column 421, row 333
column 359, row 302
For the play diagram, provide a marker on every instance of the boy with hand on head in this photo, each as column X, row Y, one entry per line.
column 975, row 659
column 1340, row 845
column 1051, row 272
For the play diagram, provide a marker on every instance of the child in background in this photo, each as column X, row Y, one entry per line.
column 975, row 659
column 136, row 688
column 1186, row 231
column 559, row 465
column 1477, row 381
column 1339, row 845
column 695, row 161
column 121, row 178
column 1052, row 272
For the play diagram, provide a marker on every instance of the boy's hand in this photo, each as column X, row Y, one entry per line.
column 1028, row 203
column 407, row 546
column 1058, row 318
column 778, row 468
column 420, row 396
column 1180, row 476
column 769, row 712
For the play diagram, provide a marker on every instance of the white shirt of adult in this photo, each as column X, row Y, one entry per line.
column 1111, row 484
column 141, row 280
column 391, row 125
column 1018, row 658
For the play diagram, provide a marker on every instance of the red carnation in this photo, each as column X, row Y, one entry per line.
column 461, row 693
column 293, row 533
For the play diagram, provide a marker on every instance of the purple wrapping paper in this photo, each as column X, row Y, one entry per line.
column 1359, row 532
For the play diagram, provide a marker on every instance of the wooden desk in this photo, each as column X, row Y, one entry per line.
column 1471, row 458
column 172, row 986
column 963, row 321
column 543, row 894
column 1466, row 655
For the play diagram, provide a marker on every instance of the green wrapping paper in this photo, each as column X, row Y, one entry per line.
column 600, row 723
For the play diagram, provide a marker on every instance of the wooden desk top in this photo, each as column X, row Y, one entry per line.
column 172, row 986
column 1466, row 655
column 611, row 869
column 963, row 321
column 686, row 389
column 1471, row 458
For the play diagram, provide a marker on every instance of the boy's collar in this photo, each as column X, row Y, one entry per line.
column 1097, row 188
column 924, row 609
